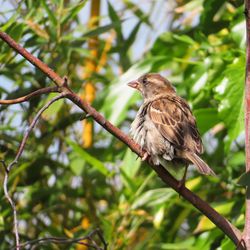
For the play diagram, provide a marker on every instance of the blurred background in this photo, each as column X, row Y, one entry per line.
column 73, row 176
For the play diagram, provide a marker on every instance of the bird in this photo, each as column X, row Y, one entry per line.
column 165, row 127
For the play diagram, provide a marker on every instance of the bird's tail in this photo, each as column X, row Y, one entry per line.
column 202, row 166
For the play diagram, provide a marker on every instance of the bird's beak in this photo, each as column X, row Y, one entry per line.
column 134, row 84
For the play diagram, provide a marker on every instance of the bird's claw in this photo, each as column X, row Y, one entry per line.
column 145, row 156
column 181, row 184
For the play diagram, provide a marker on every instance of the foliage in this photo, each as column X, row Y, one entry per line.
column 64, row 190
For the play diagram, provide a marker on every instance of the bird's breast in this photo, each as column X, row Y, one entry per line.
column 146, row 134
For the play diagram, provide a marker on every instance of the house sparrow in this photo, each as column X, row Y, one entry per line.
column 165, row 126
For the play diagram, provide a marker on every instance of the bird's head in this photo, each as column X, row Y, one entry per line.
column 151, row 85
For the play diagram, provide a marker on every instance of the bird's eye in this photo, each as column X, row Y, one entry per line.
column 144, row 80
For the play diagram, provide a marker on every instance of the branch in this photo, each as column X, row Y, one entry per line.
column 232, row 232
column 11, row 165
column 246, row 234
column 29, row 96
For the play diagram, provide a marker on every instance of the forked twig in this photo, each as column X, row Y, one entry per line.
column 29, row 96
column 11, row 165
column 80, row 241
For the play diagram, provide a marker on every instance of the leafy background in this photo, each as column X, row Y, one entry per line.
column 63, row 189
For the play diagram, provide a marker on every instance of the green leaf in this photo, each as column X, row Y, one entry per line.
column 50, row 13
column 98, row 165
column 230, row 93
column 127, row 180
column 131, row 163
column 206, row 118
column 244, row 179
column 129, row 168
column 81, row 51
column 153, row 197
column 211, row 7
column 205, row 224
column 16, row 31
column 186, row 244
column 76, row 163
column 237, row 160
column 100, row 30
column 73, row 11
column 131, row 38
column 11, row 21
column 54, row 108
column 115, row 19
column 143, row 17
column 227, row 244
column 184, row 38
column 17, row 171
column 159, row 217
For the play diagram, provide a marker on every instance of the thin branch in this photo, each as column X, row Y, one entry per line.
column 32, row 125
column 232, row 232
column 29, row 96
column 11, row 165
column 105, row 244
column 59, row 240
column 246, row 234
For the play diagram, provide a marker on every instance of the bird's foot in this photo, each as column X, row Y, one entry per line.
column 145, row 156
column 181, row 184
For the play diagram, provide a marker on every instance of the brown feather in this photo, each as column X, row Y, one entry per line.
column 180, row 128
column 202, row 167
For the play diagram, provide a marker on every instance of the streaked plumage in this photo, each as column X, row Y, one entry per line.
column 164, row 125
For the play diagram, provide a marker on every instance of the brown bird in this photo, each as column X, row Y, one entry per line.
column 165, row 126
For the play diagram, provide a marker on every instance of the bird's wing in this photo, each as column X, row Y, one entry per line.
column 174, row 120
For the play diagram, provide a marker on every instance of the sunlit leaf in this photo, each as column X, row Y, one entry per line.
column 137, row 11
column 227, row 244
column 72, row 12
column 178, row 245
column 131, row 163
column 158, row 218
column 115, row 19
column 100, row 30
column 205, row 224
column 131, row 38
column 153, row 197
column 231, row 108
column 49, row 12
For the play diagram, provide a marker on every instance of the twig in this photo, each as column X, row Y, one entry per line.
column 32, row 125
column 29, row 96
column 105, row 244
column 19, row 153
column 232, row 232
column 246, row 234
column 60, row 240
